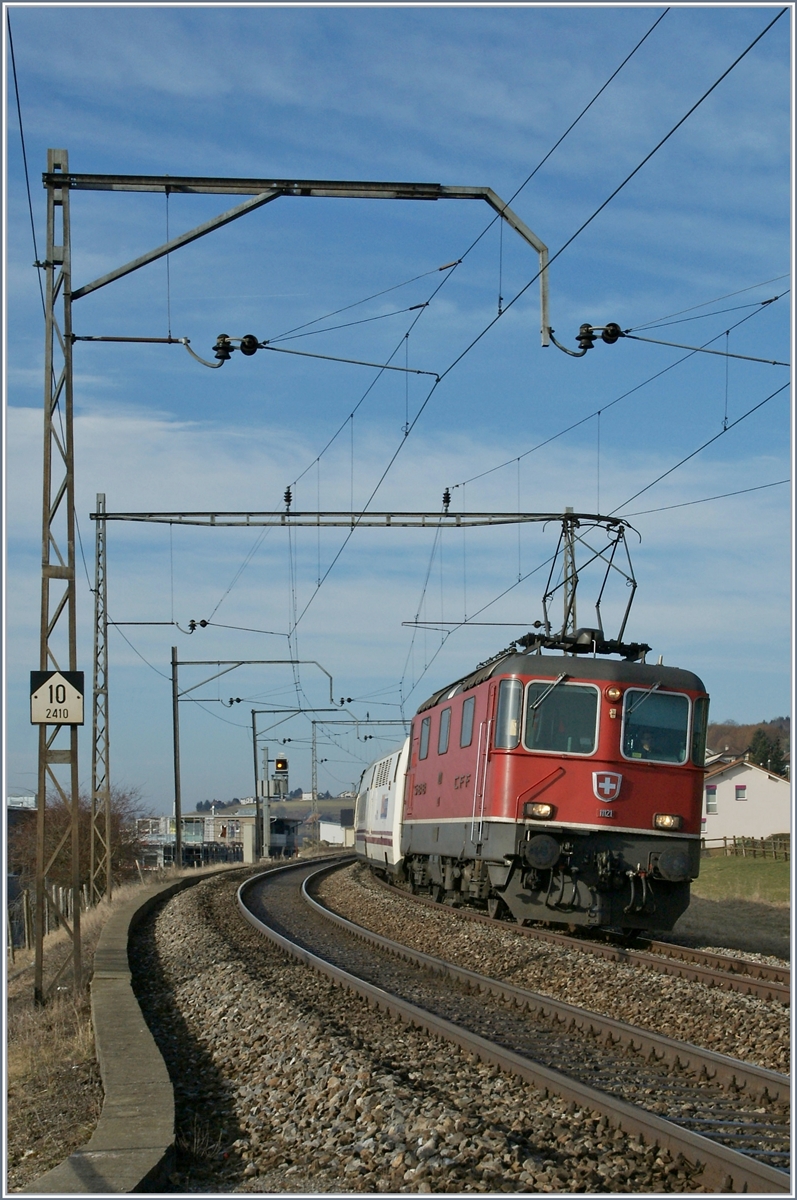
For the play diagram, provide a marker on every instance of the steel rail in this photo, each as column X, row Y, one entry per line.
column 729, row 1071
column 723, row 1169
column 681, row 961
column 724, row 962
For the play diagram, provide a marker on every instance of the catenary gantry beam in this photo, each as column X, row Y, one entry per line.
column 360, row 520
column 265, row 190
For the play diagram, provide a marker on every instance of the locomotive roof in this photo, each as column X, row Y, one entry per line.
column 549, row 666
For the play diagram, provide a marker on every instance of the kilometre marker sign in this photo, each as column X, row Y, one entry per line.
column 56, row 697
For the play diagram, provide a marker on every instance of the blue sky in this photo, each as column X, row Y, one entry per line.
column 452, row 95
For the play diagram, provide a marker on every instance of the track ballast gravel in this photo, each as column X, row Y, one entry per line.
column 284, row 1082
column 744, row 1027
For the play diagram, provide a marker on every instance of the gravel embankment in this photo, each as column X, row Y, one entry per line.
column 287, row 1083
column 744, row 1027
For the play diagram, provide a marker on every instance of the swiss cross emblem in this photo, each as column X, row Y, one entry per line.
column 606, row 784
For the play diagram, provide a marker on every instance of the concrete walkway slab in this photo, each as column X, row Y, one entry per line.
column 133, row 1145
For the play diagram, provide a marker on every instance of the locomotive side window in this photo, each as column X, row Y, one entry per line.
column 655, row 725
column 423, row 750
column 466, row 729
column 445, row 730
column 561, row 719
column 699, row 723
column 507, row 721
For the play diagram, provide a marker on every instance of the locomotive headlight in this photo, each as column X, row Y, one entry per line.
column 613, row 693
column 667, row 821
column 539, row 812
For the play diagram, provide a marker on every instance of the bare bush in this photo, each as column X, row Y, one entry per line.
column 126, row 808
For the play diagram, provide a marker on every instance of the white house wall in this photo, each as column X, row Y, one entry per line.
column 765, row 812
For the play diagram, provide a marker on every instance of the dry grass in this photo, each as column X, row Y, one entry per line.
column 54, row 1089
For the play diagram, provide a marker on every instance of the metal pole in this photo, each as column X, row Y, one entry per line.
column 570, row 574
column 58, row 625
column 257, row 788
column 38, row 922
column 100, row 874
column 267, row 807
column 178, row 808
column 314, row 783
column 76, row 951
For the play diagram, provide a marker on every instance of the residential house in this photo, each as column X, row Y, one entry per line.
column 742, row 799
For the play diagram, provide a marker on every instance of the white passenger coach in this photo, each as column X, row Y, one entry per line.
column 377, row 818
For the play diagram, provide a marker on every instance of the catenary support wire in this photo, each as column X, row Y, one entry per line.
column 732, row 425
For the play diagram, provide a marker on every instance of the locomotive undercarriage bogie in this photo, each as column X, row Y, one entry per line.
column 455, row 880
column 620, row 881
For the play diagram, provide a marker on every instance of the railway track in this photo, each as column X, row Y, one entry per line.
column 724, row 971
column 728, row 1116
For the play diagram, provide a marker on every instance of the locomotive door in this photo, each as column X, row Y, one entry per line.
column 409, row 788
column 409, row 778
column 482, row 766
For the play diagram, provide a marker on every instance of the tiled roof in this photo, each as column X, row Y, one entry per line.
column 741, row 761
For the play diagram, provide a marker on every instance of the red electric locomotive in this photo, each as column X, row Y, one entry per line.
column 562, row 788
column 558, row 787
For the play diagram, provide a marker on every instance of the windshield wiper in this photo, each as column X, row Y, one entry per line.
column 633, row 707
column 533, row 707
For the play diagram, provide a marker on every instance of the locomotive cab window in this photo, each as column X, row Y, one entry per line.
column 655, row 725
column 561, row 719
column 507, row 721
column 423, row 749
column 699, row 724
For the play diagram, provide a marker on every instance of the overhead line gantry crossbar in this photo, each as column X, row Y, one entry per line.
column 263, row 191
column 346, row 520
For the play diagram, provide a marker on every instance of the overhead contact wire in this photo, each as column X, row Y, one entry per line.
column 534, row 278
column 409, row 426
column 357, row 303
column 37, row 264
column 716, row 300
column 705, row 499
column 616, row 192
column 561, row 249
column 721, row 433
column 719, row 312
column 490, row 224
column 604, row 407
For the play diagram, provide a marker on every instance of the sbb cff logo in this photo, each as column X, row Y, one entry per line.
column 606, row 785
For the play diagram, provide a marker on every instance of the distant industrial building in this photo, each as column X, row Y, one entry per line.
column 223, row 836
column 25, row 802
column 336, row 834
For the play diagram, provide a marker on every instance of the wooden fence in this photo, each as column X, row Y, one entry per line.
column 746, row 847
